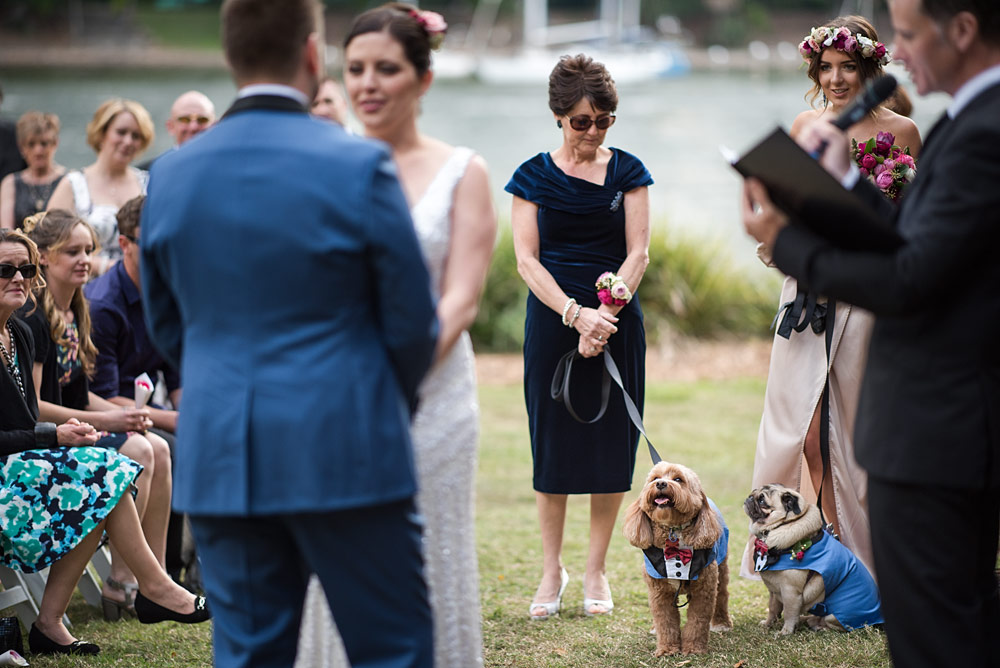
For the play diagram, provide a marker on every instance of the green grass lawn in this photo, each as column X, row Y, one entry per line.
column 710, row 426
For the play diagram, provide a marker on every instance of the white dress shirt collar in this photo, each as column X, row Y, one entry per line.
column 972, row 88
column 274, row 89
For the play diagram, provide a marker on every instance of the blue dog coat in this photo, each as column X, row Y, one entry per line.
column 851, row 594
column 679, row 562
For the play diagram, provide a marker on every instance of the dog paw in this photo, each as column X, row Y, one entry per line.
column 785, row 631
column 667, row 651
column 721, row 628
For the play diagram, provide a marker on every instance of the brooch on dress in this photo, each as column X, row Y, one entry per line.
column 617, row 201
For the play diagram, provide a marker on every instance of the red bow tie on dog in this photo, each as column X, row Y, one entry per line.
column 674, row 552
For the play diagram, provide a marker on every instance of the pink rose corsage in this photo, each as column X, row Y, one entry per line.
column 611, row 289
column 433, row 23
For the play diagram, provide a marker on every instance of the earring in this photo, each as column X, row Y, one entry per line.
column 559, row 124
column 825, row 101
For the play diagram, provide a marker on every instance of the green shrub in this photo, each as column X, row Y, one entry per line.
column 691, row 287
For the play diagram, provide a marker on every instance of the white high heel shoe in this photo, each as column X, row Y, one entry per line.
column 551, row 609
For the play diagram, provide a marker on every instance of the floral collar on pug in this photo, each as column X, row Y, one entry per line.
column 765, row 557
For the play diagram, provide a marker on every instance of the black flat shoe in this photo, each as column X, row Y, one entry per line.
column 39, row 643
column 150, row 612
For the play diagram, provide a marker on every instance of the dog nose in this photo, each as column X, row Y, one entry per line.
column 660, row 484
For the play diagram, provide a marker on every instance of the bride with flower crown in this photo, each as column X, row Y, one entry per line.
column 387, row 72
column 842, row 57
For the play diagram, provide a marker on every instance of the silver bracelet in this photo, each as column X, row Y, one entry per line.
column 566, row 310
column 575, row 316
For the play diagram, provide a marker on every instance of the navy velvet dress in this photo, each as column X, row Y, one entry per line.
column 581, row 228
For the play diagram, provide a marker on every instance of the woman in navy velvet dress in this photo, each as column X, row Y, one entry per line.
column 580, row 211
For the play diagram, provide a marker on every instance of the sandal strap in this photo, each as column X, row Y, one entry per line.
column 130, row 589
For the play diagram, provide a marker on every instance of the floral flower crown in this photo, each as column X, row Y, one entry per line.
column 842, row 40
column 433, row 23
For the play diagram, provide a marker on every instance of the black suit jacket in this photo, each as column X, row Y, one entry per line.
column 10, row 155
column 930, row 401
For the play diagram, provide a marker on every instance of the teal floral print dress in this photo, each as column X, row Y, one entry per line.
column 51, row 497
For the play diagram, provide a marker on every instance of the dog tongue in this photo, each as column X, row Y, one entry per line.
column 660, row 500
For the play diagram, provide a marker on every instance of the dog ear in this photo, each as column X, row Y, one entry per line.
column 705, row 530
column 638, row 528
column 790, row 502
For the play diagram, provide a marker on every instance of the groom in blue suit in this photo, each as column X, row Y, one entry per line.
column 281, row 270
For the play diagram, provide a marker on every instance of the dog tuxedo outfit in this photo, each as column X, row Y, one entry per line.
column 677, row 561
column 851, row 594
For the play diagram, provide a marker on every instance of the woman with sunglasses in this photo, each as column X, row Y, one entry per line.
column 59, row 319
column 580, row 212
column 841, row 57
column 59, row 494
column 119, row 132
column 387, row 59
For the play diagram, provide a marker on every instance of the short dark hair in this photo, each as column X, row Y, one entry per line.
column 987, row 12
column 128, row 215
column 396, row 19
column 266, row 38
column 577, row 77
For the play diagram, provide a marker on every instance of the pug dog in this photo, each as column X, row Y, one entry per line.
column 804, row 567
column 685, row 546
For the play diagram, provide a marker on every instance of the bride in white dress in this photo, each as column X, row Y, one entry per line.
column 387, row 71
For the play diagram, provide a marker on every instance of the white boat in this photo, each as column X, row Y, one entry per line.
column 615, row 39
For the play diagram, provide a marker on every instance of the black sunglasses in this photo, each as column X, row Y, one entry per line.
column 583, row 123
column 27, row 270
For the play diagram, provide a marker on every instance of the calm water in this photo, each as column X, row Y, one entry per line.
column 675, row 126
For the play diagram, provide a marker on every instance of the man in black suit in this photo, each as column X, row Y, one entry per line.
column 11, row 159
column 928, row 426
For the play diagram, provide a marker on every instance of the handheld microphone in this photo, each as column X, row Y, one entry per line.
column 873, row 95
column 876, row 92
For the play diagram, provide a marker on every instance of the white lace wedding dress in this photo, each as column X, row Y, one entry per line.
column 445, row 439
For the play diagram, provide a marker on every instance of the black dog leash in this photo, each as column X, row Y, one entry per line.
column 560, row 392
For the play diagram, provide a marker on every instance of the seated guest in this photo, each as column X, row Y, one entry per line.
column 42, row 466
column 118, row 329
column 64, row 359
column 191, row 114
column 124, row 353
column 27, row 192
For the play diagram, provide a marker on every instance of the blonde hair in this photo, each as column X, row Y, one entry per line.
column 97, row 128
column 35, row 123
column 50, row 230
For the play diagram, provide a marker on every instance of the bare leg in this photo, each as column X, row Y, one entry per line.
column 63, row 577
column 603, row 513
column 552, row 519
column 814, row 461
column 124, row 528
column 152, row 504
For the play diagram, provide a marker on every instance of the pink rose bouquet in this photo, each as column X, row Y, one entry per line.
column 611, row 289
column 883, row 162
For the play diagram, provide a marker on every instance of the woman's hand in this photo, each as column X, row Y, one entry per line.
column 761, row 217
column 126, row 419
column 595, row 327
column 74, row 433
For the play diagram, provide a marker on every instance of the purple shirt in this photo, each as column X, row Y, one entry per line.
column 118, row 329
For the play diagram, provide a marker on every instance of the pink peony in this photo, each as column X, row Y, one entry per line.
column 879, row 168
column 889, row 165
column 868, row 161
column 619, row 290
column 884, row 180
column 864, row 172
column 884, row 142
column 605, row 296
column 850, row 44
column 431, row 21
column 907, row 160
column 879, row 50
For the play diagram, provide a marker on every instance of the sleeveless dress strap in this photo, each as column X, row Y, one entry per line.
column 454, row 169
column 81, row 193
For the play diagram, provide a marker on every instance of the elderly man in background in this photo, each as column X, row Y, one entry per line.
column 190, row 114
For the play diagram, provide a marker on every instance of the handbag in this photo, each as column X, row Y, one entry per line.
column 10, row 635
column 560, row 392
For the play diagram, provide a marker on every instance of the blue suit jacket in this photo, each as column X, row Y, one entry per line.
column 280, row 267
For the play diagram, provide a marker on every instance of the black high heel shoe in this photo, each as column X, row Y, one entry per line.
column 39, row 643
column 150, row 612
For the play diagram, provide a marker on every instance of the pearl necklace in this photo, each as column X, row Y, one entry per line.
column 8, row 357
